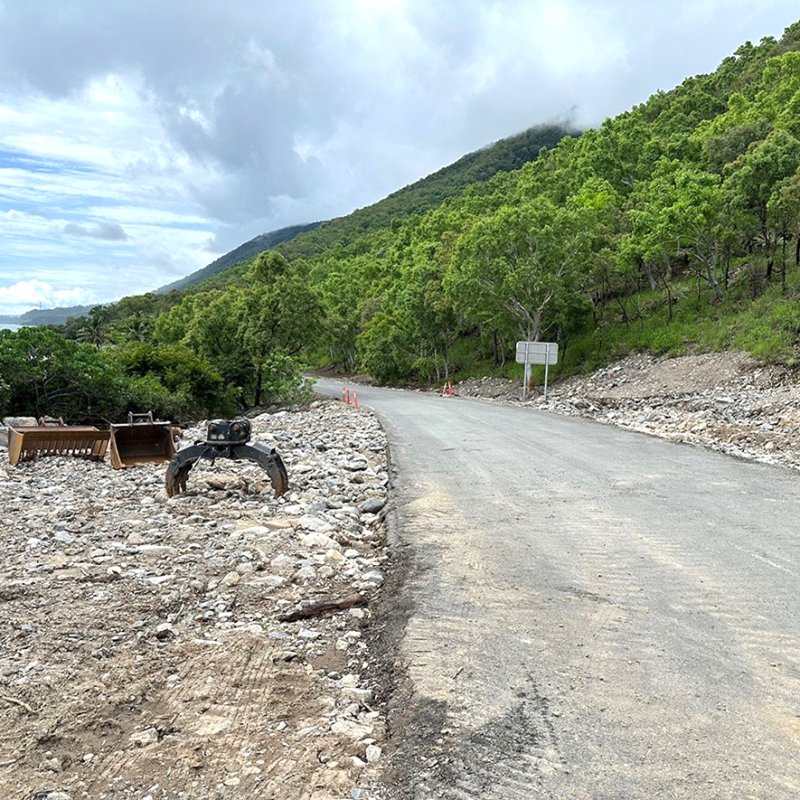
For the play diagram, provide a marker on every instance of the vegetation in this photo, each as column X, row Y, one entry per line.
column 239, row 255
column 673, row 227
column 429, row 192
column 45, row 374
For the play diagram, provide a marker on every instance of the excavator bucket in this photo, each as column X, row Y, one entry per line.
column 141, row 441
column 53, row 437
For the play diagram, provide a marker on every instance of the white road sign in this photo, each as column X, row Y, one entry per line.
column 537, row 353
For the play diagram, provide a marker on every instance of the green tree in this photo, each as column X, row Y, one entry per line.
column 755, row 176
column 784, row 208
column 513, row 268
column 680, row 210
column 194, row 388
column 243, row 330
column 48, row 375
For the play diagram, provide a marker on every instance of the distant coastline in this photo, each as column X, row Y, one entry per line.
column 7, row 326
column 43, row 316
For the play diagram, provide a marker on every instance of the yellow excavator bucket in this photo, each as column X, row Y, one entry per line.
column 141, row 441
column 55, row 438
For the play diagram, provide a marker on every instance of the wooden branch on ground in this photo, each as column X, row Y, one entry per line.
column 20, row 703
column 323, row 607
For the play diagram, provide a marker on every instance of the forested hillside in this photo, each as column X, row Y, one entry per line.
column 244, row 252
column 673, row 227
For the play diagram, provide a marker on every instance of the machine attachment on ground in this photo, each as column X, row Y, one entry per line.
column 53, row 437
column 141, row 441
column 226, row 439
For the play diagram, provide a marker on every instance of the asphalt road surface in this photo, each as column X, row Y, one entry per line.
column 588, row 612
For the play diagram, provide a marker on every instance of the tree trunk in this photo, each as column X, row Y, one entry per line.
column 797, row 252
column 666, row 279
column 712, row 279
column 727, row 267
column 259, row 385
column 783, row 260
column 767, row 244
column 649, row 272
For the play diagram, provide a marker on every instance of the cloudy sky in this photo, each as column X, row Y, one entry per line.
column 141, row 139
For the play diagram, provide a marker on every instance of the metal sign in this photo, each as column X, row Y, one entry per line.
column 536, row 353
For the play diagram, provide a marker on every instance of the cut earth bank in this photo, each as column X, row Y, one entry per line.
column 141, row 649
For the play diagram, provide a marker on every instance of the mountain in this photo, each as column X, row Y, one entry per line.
column 505, row 155
column 313, row 238
column 307, row 241
column 244, row 252
column 46, row 316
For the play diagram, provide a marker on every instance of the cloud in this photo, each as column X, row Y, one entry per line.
column 229, row 120
column 109, row 231
column 24, row 295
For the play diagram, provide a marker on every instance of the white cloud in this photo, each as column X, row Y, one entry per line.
column 24, row 295
column 109, row 231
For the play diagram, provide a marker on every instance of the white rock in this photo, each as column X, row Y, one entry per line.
column 231, row 579
column 145, row 737
column 283, row 562
column 351, row 729
column 256, row 530
column 318, row 541
column 311, row 523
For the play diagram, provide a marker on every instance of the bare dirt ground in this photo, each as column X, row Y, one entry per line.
column 724, row 401
column 142, row 653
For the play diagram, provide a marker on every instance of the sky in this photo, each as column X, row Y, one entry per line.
column 142, row 139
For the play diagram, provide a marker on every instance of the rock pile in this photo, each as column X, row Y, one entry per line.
column 492, row 388
column 143, row 652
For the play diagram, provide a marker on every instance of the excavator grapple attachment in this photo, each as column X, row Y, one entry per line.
column 226, row 439
column 141, row 441
column 53, row 437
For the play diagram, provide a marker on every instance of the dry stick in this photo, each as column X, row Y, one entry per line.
column 323, row 607
column 16, row 702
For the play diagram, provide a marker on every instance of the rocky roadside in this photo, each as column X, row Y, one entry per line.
column 724, row 401
column 142, row 652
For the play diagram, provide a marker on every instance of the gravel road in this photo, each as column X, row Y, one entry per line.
column 587, row 612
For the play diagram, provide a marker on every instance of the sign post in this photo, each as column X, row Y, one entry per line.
column 536, row 353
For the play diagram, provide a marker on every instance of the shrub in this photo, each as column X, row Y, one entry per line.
column 48, row 375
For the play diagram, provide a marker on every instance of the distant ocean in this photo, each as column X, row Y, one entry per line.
column 9, row 327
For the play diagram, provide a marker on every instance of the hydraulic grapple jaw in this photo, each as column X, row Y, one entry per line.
column 226, row 439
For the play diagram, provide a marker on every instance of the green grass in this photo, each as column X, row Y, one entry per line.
column 768, row 328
